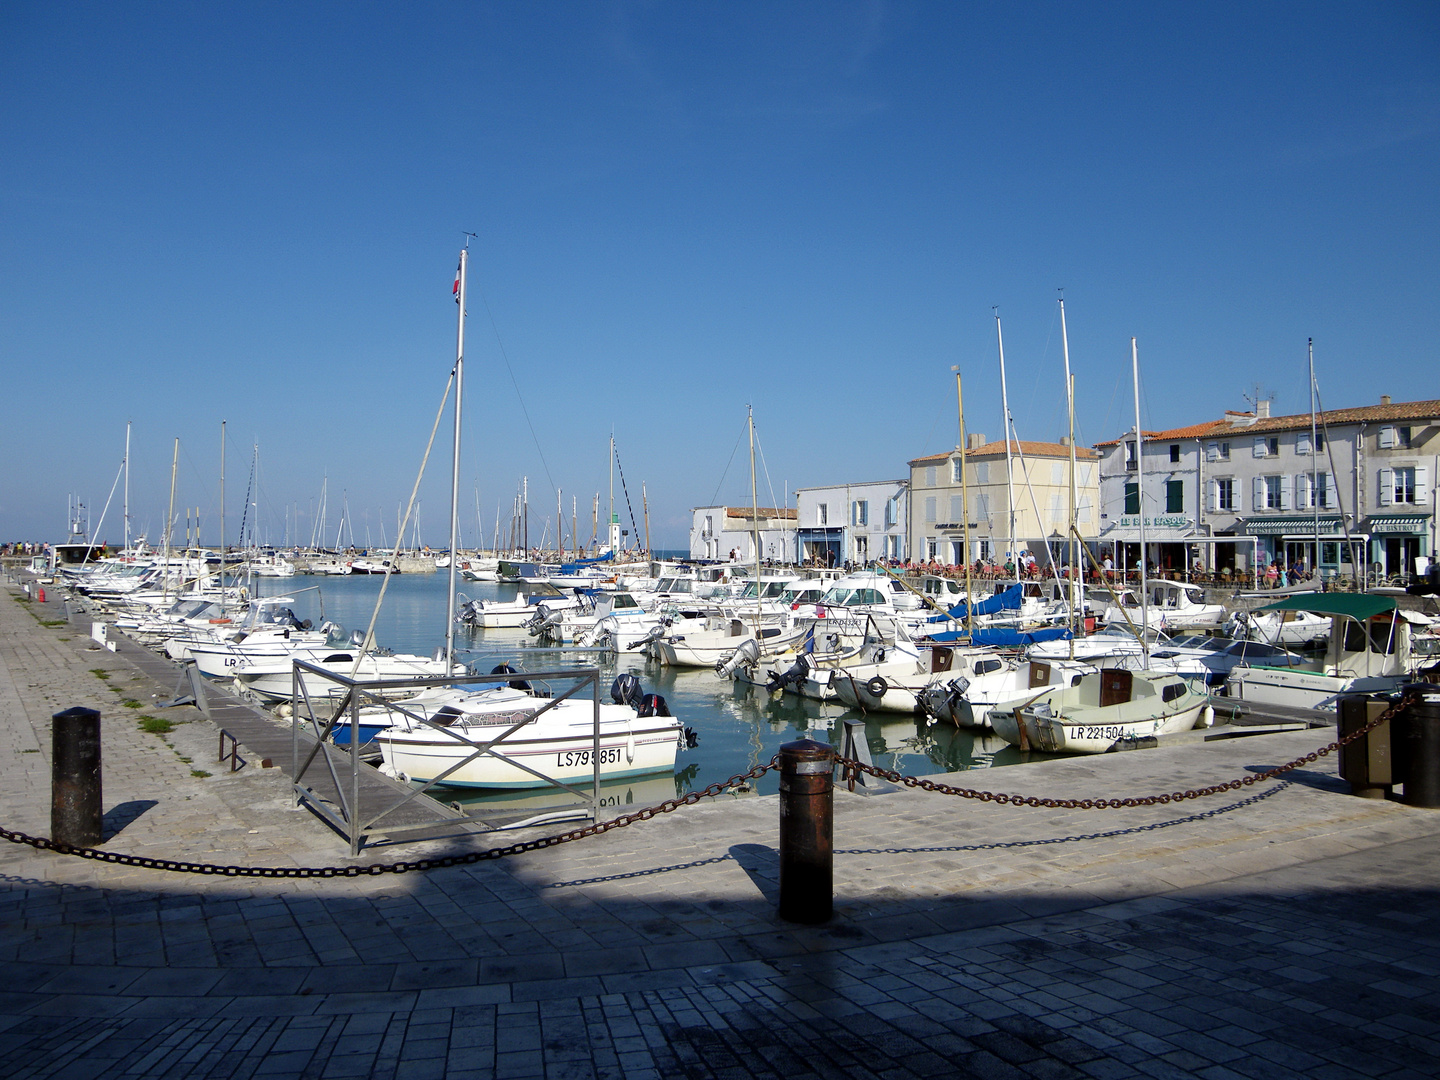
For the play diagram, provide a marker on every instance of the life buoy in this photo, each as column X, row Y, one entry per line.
column 217, row 622
column 877, row 686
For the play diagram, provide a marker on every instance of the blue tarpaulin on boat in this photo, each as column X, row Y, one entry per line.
column 1009, row 600
column 1001, row 638
column 571, row 567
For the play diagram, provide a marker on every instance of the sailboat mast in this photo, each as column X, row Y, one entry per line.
column 455, row 463
column 170, row 520
column 755, row 512
column 964, row 501
column 1314, row 461
column 1140, row 505
column 1009, row 462
column 560, row 524
column 127, row 486
column 1073, row 591
column 222, row 511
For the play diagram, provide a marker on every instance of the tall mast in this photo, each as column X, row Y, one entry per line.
column 222, row 511
column 1009, row 463
column 127, row 485
column 575, row 525
column 559, row 524
column 614, row 521
column 755, row 512
column 1073, row 591
column 1314, row 461
column 170, row 520
column 455, row 463
column 965, row 501
column 1140, row 505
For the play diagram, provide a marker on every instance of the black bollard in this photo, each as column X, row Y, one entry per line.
column 807, row 799
column 1417, row 739
column 75, row 808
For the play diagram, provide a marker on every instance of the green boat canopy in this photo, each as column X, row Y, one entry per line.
column 1359, row 606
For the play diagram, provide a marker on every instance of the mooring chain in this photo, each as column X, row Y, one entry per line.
column 852, row 768
column 690, row 798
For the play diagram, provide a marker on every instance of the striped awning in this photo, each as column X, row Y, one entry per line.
column 1401, row 523
column 1293, row 525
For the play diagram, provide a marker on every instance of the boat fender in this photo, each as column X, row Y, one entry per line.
column 877, row 686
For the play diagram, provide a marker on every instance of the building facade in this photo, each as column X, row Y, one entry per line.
column 999, row 528
column 728, row 533
column 854, row 523
column 1256, row 489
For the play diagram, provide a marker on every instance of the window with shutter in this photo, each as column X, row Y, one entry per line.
column 1302, row 443
column 1213, row 501
column 1261, row 448
column 1422, row 485
column 1283, row 483
column 957, row 508
column 1082, row 510
column 1212, row 451
column 1302, row 491
column 1259, row 493
column 930, row 508
column 1174, row 496
column 982, row 507
column 1386, row 490
column 1328, row 497
column 1388, row 437
column 1132, row 499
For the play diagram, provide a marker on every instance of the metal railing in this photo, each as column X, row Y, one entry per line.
column 346, row 768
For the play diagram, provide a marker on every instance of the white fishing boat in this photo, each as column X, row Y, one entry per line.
column 1101, row 712
column 272, row 677
column 507, row 738
column 1169, row 605
column 1369, row 651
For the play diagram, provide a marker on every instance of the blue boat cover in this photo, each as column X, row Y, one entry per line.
column 571, row 567
column 1009, row 600
column 999, row 637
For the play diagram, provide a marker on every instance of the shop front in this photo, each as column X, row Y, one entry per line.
column 1307, row 541
column 1397, row 541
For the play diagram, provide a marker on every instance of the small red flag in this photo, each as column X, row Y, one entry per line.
column 456, row 288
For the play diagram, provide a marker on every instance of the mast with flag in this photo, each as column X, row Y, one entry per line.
column 459, row 292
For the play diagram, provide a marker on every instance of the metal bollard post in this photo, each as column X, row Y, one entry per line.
column 1417, row 738
column 75, row 808
column 807, row 799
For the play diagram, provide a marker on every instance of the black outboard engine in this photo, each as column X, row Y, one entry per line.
column 652, row 705
column 626, row 690
column 793, row 676
column 515, row 684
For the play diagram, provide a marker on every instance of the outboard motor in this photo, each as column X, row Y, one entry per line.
column 746, row 655
column 626, row 690
column 797, row 673
column 652, row 705
column 515, row 684
column 655, row 632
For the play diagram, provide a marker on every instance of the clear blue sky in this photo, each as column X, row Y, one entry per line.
column 251, row 213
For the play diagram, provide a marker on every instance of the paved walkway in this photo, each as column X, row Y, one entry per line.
column 1285, row 929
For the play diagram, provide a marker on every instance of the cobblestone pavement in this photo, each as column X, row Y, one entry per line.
column 1285, row 929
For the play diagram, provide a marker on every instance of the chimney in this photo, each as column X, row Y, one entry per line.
column 975, row 439
column 1262, row 410
column 1064, row 440
column 1384, row 399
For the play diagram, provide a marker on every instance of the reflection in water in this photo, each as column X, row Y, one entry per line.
column 739, row 726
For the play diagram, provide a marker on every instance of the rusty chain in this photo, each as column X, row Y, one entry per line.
column 690, row 798
column 852, row 768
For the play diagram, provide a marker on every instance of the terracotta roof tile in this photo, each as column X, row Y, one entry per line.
column 1400, row 410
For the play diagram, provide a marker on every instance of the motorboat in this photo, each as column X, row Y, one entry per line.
column 374, row 566
column 1103, row 711
column 509, row 738
column 1369, row 651
column 273, row 678
column 512, row 614
column 1168, row 605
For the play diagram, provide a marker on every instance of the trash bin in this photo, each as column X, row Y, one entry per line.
column 1367, row 763
column 1417, row 746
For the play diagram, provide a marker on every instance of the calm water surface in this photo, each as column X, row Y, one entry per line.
column 737, row 727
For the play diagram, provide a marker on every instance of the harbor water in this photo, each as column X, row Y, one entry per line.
column 737, row 727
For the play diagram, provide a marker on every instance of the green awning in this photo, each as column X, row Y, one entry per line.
column 1359, row 606
column 1401, row 523
column 1291, row 526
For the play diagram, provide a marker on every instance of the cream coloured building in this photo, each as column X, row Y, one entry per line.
column 1039, row 477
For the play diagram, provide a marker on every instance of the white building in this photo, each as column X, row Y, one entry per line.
column 854, row 523
column 1365, row 476
column 728, row 533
